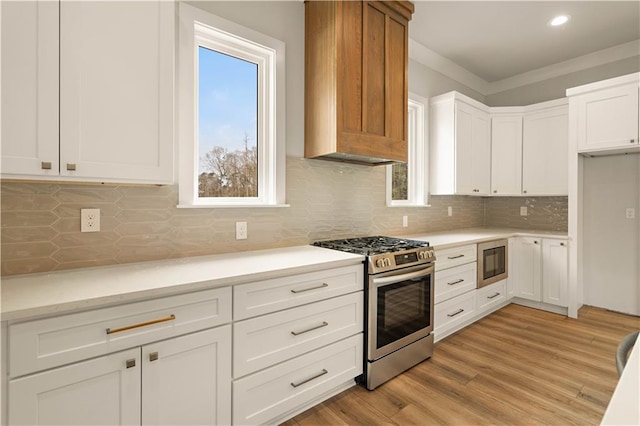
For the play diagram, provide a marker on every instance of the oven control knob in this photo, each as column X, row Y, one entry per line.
column 380, row 263
column 387, row 262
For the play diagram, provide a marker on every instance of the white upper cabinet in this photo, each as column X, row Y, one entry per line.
column 545, row 151
column 30, row 88
column 114, row 90
column 460, row 159
column 506, row 154
column 606, row 114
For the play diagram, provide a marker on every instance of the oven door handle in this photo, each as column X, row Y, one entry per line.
column 402, row 277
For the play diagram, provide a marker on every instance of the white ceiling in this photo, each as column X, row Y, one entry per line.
column 501, row 39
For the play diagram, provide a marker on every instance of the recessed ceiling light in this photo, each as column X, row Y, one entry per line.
column 559, row 20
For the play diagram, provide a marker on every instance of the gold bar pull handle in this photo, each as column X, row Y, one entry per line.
column 142, row 324
column 153, row 356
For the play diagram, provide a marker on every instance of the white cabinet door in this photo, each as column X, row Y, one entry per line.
column 608, row 118
column 187, row 380
column 555, row 272
column 506, row 155
column 528, row 268
column 116, row 90
column 472, row 151
column 545, row 152
column 30, row 88
column 101, row 391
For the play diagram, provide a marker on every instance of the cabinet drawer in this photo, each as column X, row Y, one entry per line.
column 250, row 300
column 454, row 311
column 492, row 295
column 266, row 396
column 261, row 342
column 455, row 256
column 46, row 343
column 455, row 281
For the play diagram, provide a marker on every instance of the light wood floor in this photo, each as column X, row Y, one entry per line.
column 517, row 366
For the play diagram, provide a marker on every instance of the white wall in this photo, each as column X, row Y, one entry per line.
column 611, row 250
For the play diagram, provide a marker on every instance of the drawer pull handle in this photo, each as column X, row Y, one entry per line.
column 494, row 296
column 320, row 374
column 456, row 257
column 142, row 324
column 456, row 282
column 297, row 333
column 459, row 311
column 310, row 288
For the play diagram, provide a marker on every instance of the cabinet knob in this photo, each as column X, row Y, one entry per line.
column 562, row 244
column 131, row 363
column 495, row 191
column 46, row 165
column 632, row 141
column 535, row 242
column 71, row 166
column 153, row 356
column 524, row 192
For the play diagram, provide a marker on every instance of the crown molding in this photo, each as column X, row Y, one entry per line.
column 439, row 63
column 427, row 57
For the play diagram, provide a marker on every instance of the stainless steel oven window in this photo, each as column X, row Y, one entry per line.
column 400, row 309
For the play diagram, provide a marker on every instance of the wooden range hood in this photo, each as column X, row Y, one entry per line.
column 356, row 80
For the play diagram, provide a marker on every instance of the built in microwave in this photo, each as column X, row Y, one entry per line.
column 493, row 261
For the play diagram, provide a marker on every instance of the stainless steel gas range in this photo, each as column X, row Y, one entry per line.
column 399, row 285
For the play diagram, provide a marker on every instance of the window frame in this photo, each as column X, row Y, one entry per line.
column 200, row 28
column 417, row 157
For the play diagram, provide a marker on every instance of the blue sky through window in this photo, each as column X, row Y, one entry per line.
column 227, row 101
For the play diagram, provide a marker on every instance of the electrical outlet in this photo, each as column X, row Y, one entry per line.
column 450, row 211
column 241, row 230
column 89, row 220
column 405, row 221
column 630, row 213
column 523, row 211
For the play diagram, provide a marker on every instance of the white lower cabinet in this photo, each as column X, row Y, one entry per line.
column 452, row 313
column 181, row 381
column 187, row 380
column 271, row 393
column 489, row 297
column 103, row 390
column 165, row 361
column 541, row 270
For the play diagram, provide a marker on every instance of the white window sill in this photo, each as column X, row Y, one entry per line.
column 230, row 206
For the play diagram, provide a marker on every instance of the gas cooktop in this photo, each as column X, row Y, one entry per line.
column 369, row 246
column 384, row 253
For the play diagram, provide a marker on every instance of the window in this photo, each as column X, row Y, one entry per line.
column 407, row 183
column 231, row 110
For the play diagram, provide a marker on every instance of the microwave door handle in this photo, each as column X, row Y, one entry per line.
column 403, row 277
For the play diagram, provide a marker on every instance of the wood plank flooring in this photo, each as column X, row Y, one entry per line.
column 517, row 366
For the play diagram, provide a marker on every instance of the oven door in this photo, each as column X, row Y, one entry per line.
column 493, row 262
column 400, row 309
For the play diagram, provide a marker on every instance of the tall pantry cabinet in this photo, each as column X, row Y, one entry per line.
column 87, row 90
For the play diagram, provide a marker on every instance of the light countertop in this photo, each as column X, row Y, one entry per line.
column 624, row 408
column 458, row 237
column 33, row 295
